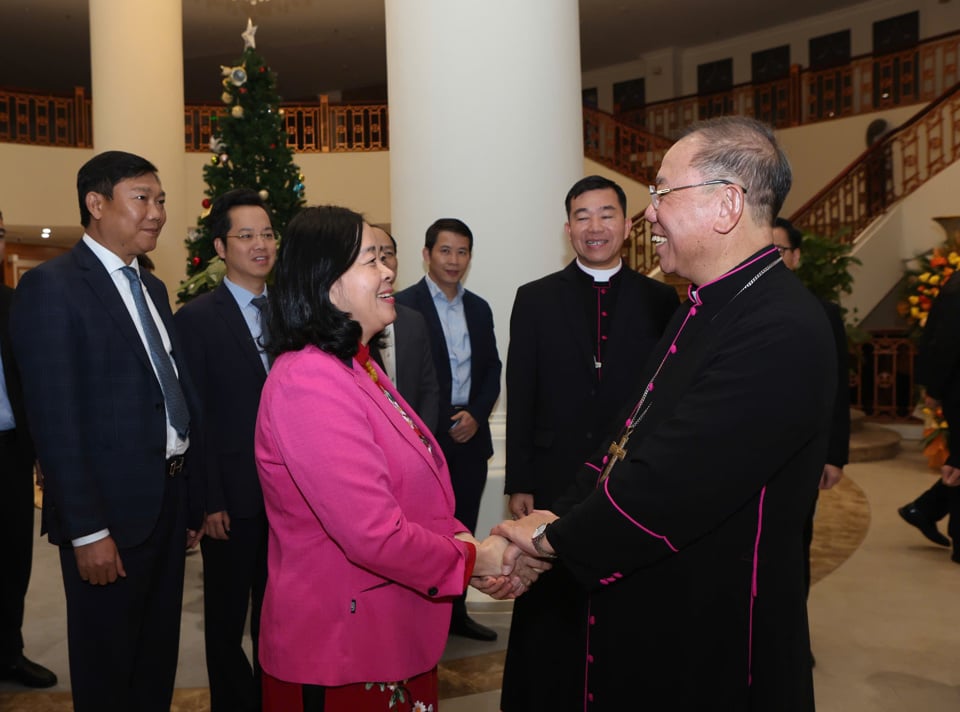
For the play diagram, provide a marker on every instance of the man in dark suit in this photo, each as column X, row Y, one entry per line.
column 468, row 368
column 221, row 332
column 789, row 240
column 107, row 402
column 406, row 355
column 577, row 336
column 939, row 371
column 16, row 507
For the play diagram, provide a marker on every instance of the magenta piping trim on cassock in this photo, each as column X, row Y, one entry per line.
column 606, row 488
column 753, row 585
column 737, row 269
column 586, row 662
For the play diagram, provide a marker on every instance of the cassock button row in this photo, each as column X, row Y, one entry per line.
column 603, row 338
column 590, row 696
column 603, row 313
column 593, row 619
column 432, row 591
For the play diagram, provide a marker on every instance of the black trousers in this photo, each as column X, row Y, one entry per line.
column 939, row 501
column 234, row 579
column 16, row 532
column 124, row 637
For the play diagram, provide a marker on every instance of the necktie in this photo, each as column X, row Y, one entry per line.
column 173, row 397
column 261, row 304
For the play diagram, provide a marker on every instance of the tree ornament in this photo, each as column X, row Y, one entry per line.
column 300, row 177
column 264, row 194
column 223, row 159
column 195, row 261
column 216, row 144
column 214, row 160
column 226, row 97
column 205, row 203
column 249, row 35
column 237, row 112
column 281, row 112
column 193, row 234
column 238, row 76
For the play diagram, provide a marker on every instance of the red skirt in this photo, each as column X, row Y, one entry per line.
column 418, row 694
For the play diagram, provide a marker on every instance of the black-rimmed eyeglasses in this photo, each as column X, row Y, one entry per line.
column 657, row 193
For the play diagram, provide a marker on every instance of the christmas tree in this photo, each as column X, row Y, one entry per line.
column 249, row 151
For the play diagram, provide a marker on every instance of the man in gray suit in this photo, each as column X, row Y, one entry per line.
column 406, row 355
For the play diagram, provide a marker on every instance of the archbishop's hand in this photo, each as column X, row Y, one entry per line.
column 520, row 531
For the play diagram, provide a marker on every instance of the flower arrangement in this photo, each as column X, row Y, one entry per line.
column 924, row 283
column 935, row 437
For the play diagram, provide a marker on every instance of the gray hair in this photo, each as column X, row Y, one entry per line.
column 745, row 151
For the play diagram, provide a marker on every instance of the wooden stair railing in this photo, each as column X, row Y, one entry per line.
column 893, row 168
column 622, row 147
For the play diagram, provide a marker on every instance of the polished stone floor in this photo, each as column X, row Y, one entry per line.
column 883, row 613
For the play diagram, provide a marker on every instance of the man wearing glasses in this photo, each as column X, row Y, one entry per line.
column 576, row 337
column 686, row 528
column 223, row 336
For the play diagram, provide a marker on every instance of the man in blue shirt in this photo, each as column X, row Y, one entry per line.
column 468, row 368
column 222, row 334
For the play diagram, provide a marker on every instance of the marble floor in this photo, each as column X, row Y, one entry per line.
column 883, row 613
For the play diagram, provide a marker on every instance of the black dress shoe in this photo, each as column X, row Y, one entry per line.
column 912, row 515
column 28, row 673
column 466, row 627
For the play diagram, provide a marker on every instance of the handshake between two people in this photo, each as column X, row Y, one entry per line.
column 507, row 562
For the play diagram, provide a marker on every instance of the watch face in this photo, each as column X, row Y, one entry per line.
column 539, row 530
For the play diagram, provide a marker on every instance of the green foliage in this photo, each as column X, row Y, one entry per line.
column 825, row 268
column 249, row 150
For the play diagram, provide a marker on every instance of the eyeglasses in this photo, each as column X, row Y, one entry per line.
column 247, row 236
column 656, row 193
column 784, row 248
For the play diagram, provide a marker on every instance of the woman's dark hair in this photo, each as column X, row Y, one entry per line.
column 318, row 246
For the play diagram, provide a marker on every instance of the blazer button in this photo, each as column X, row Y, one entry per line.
column 433, row 591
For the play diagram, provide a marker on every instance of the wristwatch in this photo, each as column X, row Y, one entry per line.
column 538, row 535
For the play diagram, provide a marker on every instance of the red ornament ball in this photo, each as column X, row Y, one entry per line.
column 205, row 202
column 195, row 261
column 262, row 70
column 273, row 146
column 243, row 90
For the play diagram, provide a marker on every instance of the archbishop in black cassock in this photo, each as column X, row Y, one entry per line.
column 689, row 538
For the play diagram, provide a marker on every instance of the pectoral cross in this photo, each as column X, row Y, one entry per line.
column 617, row 451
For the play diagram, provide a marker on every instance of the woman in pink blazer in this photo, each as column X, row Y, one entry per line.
column 364, row 552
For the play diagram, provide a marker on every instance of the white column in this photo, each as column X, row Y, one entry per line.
column 136, row 63
column 485, row 126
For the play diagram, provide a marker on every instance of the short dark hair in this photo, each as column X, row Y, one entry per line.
column 453, row 225
column 105, row 170
column 585, row 185
column 794, row 235
column 387, row 232
column 745, row 151
column 318, row 246
column 218, row 219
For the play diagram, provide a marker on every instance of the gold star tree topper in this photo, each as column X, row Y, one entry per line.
column 249, row 42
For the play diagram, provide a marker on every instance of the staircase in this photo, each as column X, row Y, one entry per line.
column 870, row 442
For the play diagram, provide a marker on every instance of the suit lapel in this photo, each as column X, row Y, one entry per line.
column 429, row 311
column 228, row 309
column 102, row 285
column 391, row 413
